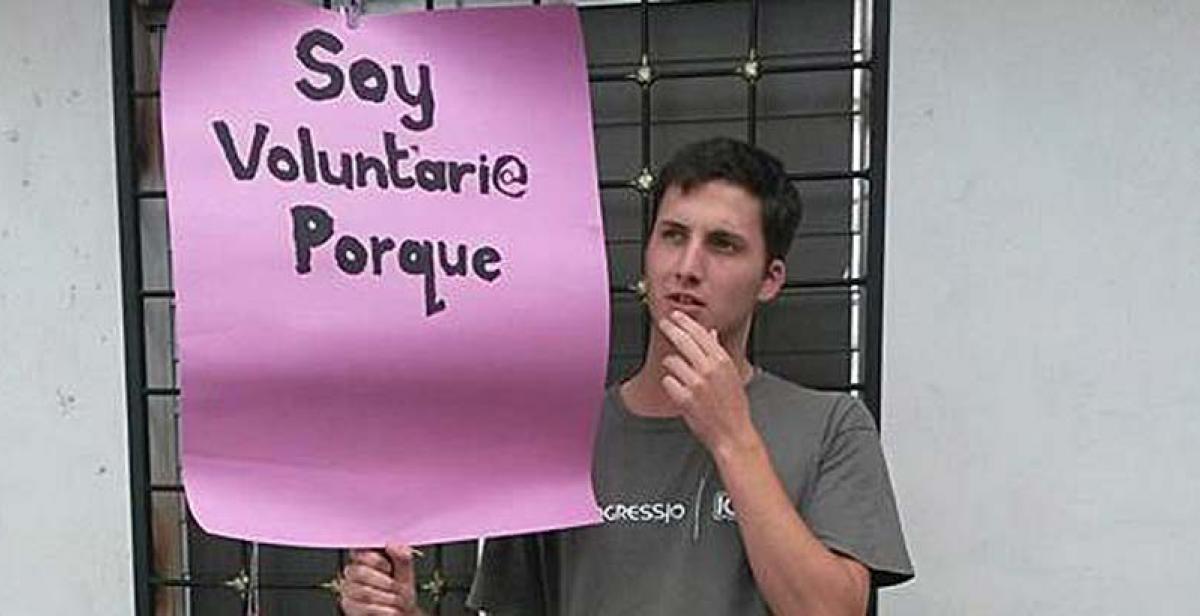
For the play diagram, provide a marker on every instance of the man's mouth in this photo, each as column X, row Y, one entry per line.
column 684, row 299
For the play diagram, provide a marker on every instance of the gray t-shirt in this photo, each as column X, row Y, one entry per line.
column 670, row 544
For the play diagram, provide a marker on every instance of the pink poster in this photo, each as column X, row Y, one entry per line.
column 392, row 297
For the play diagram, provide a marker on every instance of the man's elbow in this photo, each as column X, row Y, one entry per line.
column 858, row 586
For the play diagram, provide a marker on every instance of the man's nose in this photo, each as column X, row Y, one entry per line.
column 690, row 266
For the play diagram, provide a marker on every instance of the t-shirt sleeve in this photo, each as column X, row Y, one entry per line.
column 853, row 508
column 511, row 577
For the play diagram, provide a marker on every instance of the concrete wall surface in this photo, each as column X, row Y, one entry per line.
column 1041, row 400
column 64, row 484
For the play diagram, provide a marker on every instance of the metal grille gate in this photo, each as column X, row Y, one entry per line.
column 807, row 79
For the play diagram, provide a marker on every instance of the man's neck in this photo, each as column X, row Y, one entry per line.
column 643, row 393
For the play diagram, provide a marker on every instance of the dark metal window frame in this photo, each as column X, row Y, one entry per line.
column 134, row 294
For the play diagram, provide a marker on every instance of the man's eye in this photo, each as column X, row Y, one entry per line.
column 723, row 245
column 672, row 234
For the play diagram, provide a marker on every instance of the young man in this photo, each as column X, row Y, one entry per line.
column 725, row 490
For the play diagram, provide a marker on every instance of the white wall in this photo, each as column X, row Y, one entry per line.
column 1042, row 354
column 64, row 484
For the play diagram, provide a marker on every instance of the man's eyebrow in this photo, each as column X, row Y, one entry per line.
column 728, row 236
column 672, row 223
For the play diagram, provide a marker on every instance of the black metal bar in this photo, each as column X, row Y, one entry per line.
column 644, row 15
column 645, row 91
column 804, row 176
column 187, row 583
column 120, row 18
column 763, row 352
column 610, row 183
column 615, row 184
column 851, row 387
column 684, row 73
column 646, row 128
column 846, row 55
column 838, row 233
column 795, row 352
column 795, row 284
column 766, row 68
column 838, row 284
column 752, row 80
column 813, row 53
column 752, row 64
column 753, row 28
column 763, row 69
column 631, row 66
column 216, row 584
column 630, row 3
column 771, row 68
column 438, row 562
column 829, row 283
column 873, row 357
column 712, row 119
column 247, row 563
column 825, row 176
column 337, row 574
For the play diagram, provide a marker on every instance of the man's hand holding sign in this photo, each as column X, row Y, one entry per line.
column 379, row 583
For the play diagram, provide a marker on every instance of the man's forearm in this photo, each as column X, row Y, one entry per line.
column 795, row 572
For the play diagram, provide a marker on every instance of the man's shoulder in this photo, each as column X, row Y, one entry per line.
column 780, row 399
column 773, row 388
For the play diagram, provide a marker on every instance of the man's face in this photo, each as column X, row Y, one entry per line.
column 707, row 257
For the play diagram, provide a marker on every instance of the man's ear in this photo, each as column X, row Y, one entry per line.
column 773, row 278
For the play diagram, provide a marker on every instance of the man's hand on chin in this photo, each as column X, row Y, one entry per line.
column 704, row 381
